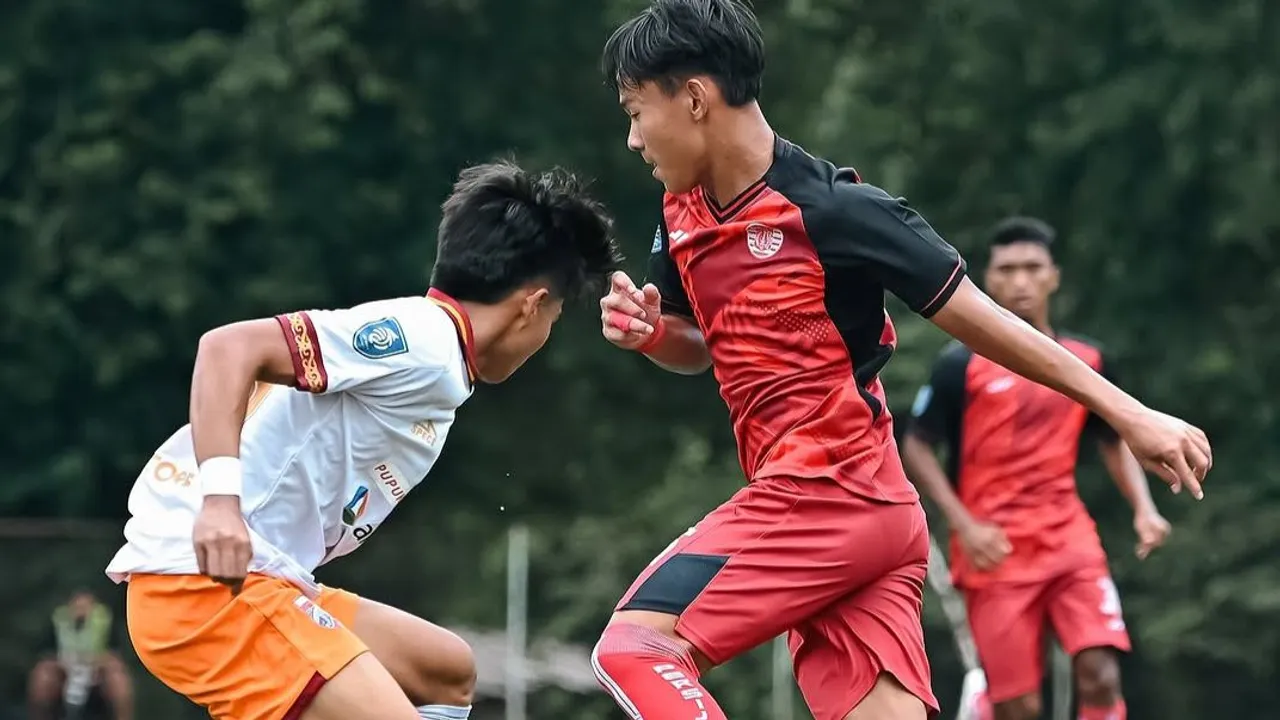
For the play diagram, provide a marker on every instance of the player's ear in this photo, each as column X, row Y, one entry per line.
column 536, row 300
column 1055, row 278
column 697, row 95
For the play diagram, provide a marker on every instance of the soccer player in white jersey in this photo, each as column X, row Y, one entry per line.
column 268, row 482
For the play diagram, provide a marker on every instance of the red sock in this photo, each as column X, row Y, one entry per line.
column 650, row 675
column 1118, row 711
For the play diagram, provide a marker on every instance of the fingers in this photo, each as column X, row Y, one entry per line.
column 627, row 323
column 1003, row 545
column 651, row 298
column 1177, row 464
column 225, row 560
column 202, row 558
column 623, row 312
column 622, row 283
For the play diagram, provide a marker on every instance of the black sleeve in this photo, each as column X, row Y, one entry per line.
column 869, row 229
column 666, row 276
column 939, row 406
column 1095, row 426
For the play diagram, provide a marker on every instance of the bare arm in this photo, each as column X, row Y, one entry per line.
column 989, row 330
column 681, row 349
column 230, row 359
column 1124, row 469
column 926, row 472
column 1178, row 452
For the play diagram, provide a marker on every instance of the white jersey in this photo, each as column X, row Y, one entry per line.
column 324, row 465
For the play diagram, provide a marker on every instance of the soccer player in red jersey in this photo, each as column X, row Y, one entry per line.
column 770, row 266
column 1024, row 550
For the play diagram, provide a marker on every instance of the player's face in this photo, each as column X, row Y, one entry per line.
column 534, row 312
column 1021, row 277
column 82, row 604
column 666, row 131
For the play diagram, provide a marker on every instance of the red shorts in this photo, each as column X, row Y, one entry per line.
column 843, row 574
column 1008, row 622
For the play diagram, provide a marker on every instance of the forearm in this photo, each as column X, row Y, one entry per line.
column 681, row 349
column 926, row 472
column 1124, row 469
column 995, row 333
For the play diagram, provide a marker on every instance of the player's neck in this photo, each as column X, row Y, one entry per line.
column 488, row 322
column 741, row 152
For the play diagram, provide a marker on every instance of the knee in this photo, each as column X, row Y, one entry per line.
column 45, row 684
column 115, row 676
column 649, row 635
column 451, row 677
column 1027, row 707
column 1097, row 677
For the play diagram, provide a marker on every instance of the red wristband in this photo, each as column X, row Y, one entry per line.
column 659, row 330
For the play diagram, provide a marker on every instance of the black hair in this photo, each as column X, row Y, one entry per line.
column 1023, row 229
column 503, row 227
column 673, row 40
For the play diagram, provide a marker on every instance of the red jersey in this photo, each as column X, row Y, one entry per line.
column 1012, row 447
column 786, row 283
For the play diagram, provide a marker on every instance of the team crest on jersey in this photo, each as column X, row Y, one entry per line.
column 317, row 614
column 763, row 241
column 354, row 510
column 380, row 339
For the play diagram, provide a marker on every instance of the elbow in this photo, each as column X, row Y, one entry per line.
column 225, row 348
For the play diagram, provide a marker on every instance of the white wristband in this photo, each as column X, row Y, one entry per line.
column 220, row 476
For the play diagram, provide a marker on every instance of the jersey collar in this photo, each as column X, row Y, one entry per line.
column 462, row 322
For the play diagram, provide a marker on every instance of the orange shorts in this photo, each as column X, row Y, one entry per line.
column 260, row 655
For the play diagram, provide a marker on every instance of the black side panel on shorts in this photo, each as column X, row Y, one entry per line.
column 676, row 583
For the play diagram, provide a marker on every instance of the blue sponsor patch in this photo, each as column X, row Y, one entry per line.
column 657, row 241
column 380, row 339
column 922, row 401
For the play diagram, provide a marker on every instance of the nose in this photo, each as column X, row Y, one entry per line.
column 634, row 143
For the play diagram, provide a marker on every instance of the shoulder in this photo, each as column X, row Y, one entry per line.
column 954, row 353
column 832, row 197
column 414, row 326
column 951, row 367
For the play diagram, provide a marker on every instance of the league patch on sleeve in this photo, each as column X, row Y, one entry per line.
column 922, row 401
column 657, row 241
column 380, row 339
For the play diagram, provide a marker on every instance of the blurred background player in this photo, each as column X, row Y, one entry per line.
column 81, row 674
column 1024, row 550
column 237, row 509
column 771, row 266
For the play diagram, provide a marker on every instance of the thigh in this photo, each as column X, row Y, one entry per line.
column 842, row 654
column 1084, row 607
column 260, row 655
column 774, row 555
column 1007, row 621
column 427, row 661
column 363, row 690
